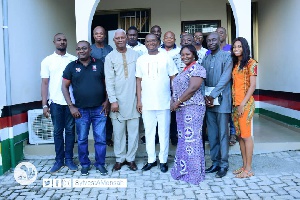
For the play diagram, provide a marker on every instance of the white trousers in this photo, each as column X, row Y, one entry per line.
column 119, row 130
column 151, row 118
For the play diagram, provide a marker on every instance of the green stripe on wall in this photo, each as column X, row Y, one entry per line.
column 19, row 146
column 5, row 151
column 279, row 117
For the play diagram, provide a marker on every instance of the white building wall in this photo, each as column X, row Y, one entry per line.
column 279, row 44
column 32, row 25
column 2, row 67
column 84, row 11
column 169, row 13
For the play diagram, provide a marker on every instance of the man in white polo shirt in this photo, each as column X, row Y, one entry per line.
column 133, row 43
column 169, row 45
column 52, row 68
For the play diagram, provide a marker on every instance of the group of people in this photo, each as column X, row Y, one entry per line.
column 176, row 90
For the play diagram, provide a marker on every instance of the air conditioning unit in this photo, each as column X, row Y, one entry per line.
column 40, row 128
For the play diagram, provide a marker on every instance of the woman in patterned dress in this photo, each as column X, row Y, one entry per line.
column 188, row 101
column 244, row 82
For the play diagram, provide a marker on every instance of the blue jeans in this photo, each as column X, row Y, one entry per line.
column 91, row 116
column 62, row 120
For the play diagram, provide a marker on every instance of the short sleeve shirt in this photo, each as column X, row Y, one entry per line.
column 241, row 80
column 87, row 81
column 181, row 84
column 155, row 71
column 172, row 52
column 52, row 67
column 140, row 48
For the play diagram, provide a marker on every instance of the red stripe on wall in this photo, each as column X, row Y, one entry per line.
column 14, row 120
column 294, row 105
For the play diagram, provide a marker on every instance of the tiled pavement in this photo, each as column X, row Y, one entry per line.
column 277, row 176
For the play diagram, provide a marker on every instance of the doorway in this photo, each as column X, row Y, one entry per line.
column 108, row 22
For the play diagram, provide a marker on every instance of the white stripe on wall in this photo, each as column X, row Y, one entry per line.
column 280, row 110
column 15, row 131
column 4, row 133
column 20, row 128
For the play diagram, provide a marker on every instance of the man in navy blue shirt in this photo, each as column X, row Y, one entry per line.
column 99, row 51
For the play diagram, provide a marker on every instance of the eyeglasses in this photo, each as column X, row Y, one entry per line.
column 82, row 48
column 198, row 36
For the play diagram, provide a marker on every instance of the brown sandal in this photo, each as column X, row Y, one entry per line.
column 245, row 174
column 238, row 171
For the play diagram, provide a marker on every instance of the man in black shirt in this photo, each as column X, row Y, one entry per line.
column 91, row 105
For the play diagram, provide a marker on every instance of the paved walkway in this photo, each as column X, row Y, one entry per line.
column 277, row 176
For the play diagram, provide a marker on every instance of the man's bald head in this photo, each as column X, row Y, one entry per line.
column 99, row 35
column 98, row 28
column 213, row 42
column 169, row 40
column 214, row 34
column 170, row 33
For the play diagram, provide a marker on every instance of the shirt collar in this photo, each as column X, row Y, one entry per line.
column 91, row 61
column 138, row 44
column 163, row 46
column 66, row 54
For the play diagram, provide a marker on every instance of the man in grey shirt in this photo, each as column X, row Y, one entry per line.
column 218, row 67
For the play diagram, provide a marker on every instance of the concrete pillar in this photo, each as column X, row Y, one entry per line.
column 84, row 12
column 242, row 15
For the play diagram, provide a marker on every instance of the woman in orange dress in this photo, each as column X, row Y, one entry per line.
column 244, row 82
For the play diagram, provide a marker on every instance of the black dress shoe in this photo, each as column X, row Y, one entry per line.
column 212, row 169
column 163, row 167
column 148, row 166
column 221, row 173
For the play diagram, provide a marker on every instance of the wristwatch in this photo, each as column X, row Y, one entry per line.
column 45, row 106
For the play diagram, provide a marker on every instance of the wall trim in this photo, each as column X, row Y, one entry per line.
column 282, row 118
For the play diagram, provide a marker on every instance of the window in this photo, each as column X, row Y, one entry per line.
column 140, row 19
column 204, row 26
